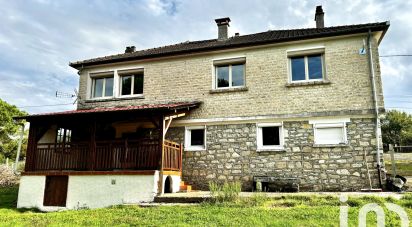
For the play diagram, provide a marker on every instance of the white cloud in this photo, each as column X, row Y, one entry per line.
column 39, row 38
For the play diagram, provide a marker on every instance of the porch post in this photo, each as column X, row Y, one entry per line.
column 31, row 148
column 161, row 140
column 92, row 145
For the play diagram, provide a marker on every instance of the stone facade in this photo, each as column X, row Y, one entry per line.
column 231, row 156
column 188, row 78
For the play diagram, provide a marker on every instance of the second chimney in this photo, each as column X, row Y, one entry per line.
column 222, row 26
column 319, row 17
column 130, row 49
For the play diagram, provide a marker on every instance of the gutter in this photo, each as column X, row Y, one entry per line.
column 376, row 108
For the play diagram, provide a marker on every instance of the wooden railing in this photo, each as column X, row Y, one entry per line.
column 172, row 156
column 106, row 156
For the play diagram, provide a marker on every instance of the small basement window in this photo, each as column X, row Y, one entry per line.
column 269, row 136
column 330, row 133
column 102, row 86
column 131, row 82
column 195, row 138
column 229, row 73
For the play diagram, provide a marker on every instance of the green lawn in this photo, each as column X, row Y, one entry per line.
column 257, row 211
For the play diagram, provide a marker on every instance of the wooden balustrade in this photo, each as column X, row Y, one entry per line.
column 105, row 155
column 172, row 156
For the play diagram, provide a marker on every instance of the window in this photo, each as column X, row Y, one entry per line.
column 230, row 73
column 63, row 135
column 195, row 138
column 330, row 133
column 131, row 83
column 102, row 86
column 307, row 67
column 269, row 136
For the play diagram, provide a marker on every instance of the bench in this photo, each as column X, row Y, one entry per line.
column 276, row 184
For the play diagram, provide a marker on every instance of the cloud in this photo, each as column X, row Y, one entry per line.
column 39, row 38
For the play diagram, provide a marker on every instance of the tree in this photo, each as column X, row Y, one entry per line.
column 9, row 130
column 397, row 128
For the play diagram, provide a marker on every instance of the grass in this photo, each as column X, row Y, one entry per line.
column 403, row 163
column 259, row 210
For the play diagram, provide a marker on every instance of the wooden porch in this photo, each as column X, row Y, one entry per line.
column 121, row 154
column 99, row 141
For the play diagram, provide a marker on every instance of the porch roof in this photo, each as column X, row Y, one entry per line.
column 162, row 107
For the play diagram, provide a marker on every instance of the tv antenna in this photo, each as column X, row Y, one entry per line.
column 65, row 95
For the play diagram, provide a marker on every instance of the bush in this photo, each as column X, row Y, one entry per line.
column 228, row 192
column 7, row 177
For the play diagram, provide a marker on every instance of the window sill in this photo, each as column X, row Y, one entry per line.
column 331, row 145
column 195, row 149
column 115, row 99
column 308, row 83
column 224, row 90
column 280, row 149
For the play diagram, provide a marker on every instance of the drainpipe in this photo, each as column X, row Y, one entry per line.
column 375, row 101
column 19, row 148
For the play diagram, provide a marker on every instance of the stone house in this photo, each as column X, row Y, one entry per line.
column 298, row 105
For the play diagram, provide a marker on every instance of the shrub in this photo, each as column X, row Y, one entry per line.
column 7, row 177
column 228, row 192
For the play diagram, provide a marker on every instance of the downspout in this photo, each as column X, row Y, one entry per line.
column 375, row 101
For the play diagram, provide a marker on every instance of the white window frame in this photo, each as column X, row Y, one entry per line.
column 259, row 137
column 228, row 61
column 188, row 146
column 305, row 52
column 230, row 76
column 330, row 123
column 103, row 75
column 129, row 73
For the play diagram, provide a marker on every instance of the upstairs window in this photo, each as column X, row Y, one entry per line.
column 131, row 82
column 102, row 86
column 230, row 73
column 306, row 64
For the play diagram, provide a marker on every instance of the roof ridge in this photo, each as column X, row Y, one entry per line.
column 259, row 38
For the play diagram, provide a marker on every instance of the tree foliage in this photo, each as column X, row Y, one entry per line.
column 9, row 131
column 397, row 128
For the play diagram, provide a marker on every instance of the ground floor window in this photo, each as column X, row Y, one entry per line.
column 195, row 138
column 330, row 131
column 269, row 136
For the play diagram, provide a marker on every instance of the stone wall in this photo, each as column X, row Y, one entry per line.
column 188, row 78
column 231, row 155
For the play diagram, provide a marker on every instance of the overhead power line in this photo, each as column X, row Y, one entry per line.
column 395, row 55
column 409, row 108
column 61, row 104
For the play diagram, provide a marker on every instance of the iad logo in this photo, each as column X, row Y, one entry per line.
column 372, row 207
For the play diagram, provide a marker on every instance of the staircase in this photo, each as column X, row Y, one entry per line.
column 185, row 187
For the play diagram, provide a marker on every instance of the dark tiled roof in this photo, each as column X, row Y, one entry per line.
column 271, row 36
column 147, row 107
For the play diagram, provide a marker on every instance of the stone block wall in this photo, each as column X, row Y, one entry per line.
column 188, row 78
column 231, row 156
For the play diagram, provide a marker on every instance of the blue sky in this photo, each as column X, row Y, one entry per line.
column 38, row 38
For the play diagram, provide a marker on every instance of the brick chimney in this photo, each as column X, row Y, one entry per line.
column 222, row 26
column 319, row 17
